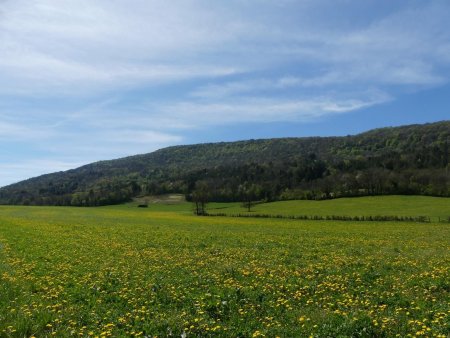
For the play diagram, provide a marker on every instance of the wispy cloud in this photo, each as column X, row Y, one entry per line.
column 214, row 91
column 96, row 45
column 87, row 45
column 83, row 80
column 260, row 110
column 18, row 170
column 42, row 164
column 12, row 131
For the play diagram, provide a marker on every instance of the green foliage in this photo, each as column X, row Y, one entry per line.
column 161, row 271
column 403, row 160
column 200, row 197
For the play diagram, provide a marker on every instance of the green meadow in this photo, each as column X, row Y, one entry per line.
column 161, row 271
column 433, row 207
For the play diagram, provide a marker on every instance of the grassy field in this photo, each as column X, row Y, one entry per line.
column 160, row 271
column 433, row 207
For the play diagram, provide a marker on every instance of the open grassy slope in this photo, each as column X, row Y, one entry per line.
column 433, row 207
column 125, row 271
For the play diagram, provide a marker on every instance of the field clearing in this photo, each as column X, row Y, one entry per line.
column 159, row 271
column 433, row 207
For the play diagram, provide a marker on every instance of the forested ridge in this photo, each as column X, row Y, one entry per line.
column 410, row 159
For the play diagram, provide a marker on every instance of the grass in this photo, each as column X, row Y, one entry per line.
column 159, row 271
column 433, row 207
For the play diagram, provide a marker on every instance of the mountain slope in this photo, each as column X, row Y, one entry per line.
column 410, row 160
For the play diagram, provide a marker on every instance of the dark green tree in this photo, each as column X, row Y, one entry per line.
column 249, row 193
column 200, row 197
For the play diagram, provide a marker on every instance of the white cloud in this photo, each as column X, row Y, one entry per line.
column 213, row 91
column 96, row 45
column 140, row 137
column 19, row 170
column 401, row 49
column 13, row 131
column 100, row 78
column 68, row 149
column 87, row 45
column 262, row 110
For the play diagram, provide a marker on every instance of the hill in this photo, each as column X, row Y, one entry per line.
column 410, row 159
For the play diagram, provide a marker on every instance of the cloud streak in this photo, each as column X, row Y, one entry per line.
column 259, row 110
column 19, row 170
column 98, row 45
column 83, row 80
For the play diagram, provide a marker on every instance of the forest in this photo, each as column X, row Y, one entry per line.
column 407, row 160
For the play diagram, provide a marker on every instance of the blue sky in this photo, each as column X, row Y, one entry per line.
column 88, row 80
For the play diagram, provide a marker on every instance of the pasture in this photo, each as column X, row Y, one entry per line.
column 160, row 271
column 432, row 207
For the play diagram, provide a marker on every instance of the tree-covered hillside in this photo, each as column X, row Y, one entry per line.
column 402, row 160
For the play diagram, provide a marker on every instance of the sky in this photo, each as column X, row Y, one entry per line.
column 89, row 80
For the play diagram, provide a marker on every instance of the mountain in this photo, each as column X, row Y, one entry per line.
column 410, row 159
